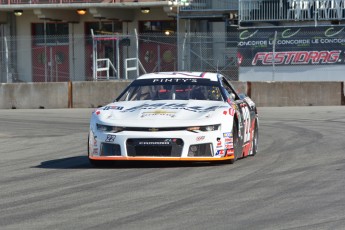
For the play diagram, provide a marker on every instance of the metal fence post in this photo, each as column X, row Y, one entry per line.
column 273, row 55
column 8, row 78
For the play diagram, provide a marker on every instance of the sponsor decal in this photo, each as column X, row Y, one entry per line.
column 95, row 151
column 229, row 146
column 110, row 138
column 330, row 32
column 200, row 138
column 228, row 134
column 229, row 152
column 246, row 34
column 95, row 142
column 93, row 138
column 219, row 144
column 294, row 46
column 225, row 112
column 297, row 57
column 175, row 80
column 113, row 107
column 158, row 113
column 165, row 142
column 288, row 33
column 220, row 153
column 97, row 112
column 229, row 140
column 173, row 106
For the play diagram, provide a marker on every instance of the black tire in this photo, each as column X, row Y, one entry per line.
column 255, row 140
column 236, row 143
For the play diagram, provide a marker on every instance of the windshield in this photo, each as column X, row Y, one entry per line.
column 172, row 91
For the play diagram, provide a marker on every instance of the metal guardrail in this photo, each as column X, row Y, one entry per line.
column 286, row 10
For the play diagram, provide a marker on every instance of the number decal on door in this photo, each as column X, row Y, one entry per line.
column 246, row 123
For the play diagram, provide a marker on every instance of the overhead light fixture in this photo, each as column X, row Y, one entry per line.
column 145, row 10
column 18, row 13
column 168, row 32
column 81, row 11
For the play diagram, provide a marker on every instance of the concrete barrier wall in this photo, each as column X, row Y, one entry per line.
column 296, row 93
column 34, row 95
column 95, row 94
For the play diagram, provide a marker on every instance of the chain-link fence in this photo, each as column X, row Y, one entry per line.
column 113, row 56
column 246, row 55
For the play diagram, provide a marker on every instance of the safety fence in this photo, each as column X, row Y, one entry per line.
column 113, row 56
column 125, row 56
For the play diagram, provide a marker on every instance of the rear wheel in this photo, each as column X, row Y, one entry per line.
column 254, row 148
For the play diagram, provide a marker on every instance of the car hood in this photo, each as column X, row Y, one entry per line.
column 160, row 113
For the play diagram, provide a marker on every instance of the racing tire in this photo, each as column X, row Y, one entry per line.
column 255, row 140
column 236, row 142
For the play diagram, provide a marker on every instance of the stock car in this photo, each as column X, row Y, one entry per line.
column 175, row 116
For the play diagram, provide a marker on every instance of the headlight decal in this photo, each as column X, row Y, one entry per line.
column 108, row 128
column 205, row 128
column 195, row 129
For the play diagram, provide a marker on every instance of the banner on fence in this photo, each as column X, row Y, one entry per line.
column 293, row 46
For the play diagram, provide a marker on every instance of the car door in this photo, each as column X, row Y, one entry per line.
column 245, row 111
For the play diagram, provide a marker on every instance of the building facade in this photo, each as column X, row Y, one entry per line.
column 51, row 40
column 247, row 40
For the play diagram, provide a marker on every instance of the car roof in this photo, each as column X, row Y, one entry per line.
column 181, row 74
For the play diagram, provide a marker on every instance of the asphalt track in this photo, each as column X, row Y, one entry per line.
column 297, row 180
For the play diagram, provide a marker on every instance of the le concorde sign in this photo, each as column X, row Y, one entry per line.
column 294, row 46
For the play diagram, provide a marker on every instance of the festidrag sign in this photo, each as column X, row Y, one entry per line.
column 291, row 46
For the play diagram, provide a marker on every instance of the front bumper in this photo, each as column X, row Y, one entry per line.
column 158, row 146
column 194, row 159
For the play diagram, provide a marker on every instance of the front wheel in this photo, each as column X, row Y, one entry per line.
column 236, row 143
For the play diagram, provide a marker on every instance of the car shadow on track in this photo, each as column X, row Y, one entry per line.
column 82, row 162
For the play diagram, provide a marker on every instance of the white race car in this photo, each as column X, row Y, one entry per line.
column 175, row 116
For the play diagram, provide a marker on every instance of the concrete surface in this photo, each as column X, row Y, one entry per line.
column 296, row 181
